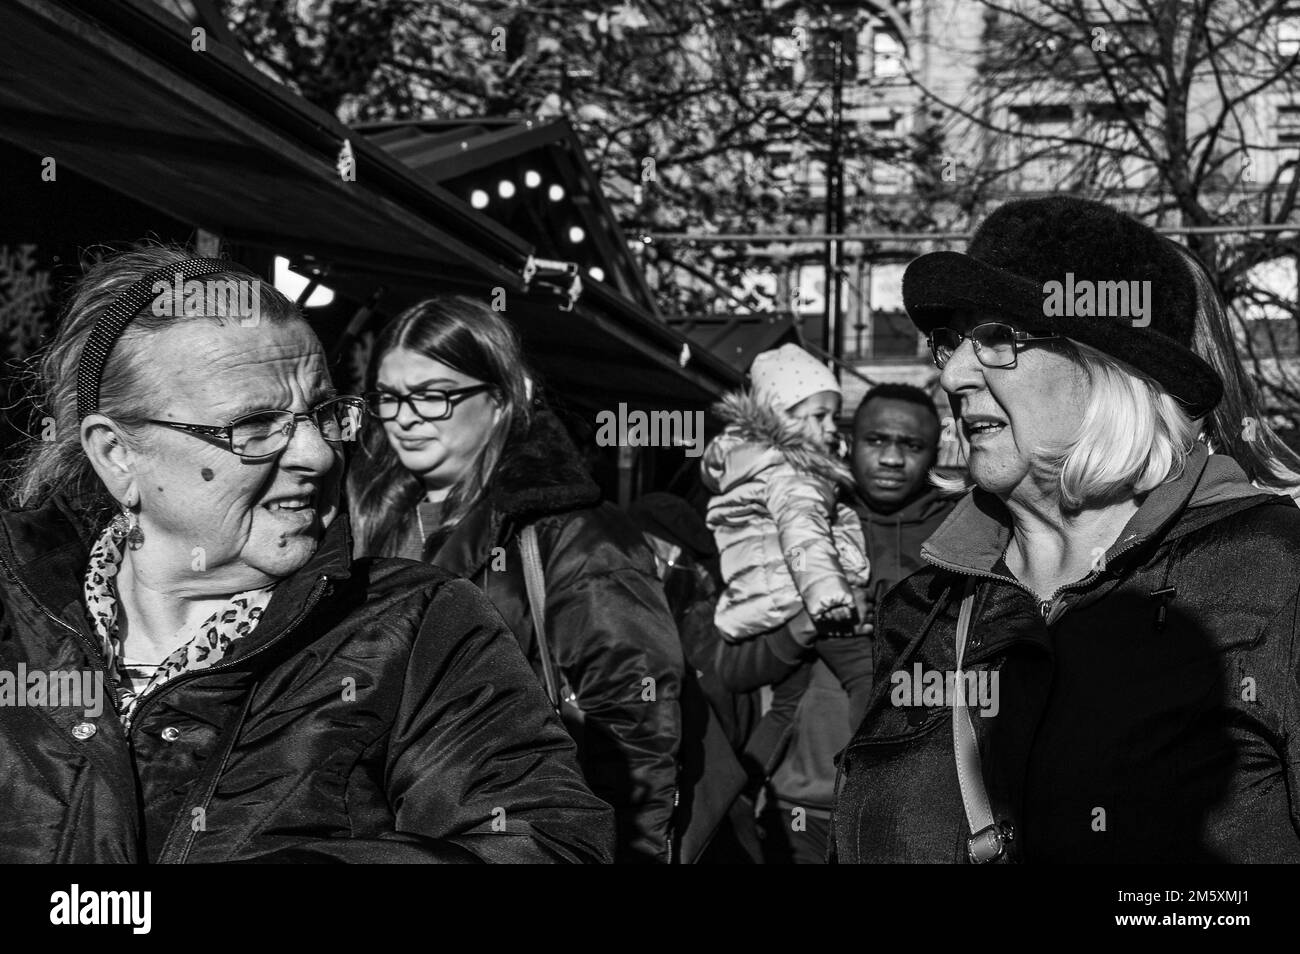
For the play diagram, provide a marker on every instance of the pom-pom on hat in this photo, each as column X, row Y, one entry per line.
column 787, row 375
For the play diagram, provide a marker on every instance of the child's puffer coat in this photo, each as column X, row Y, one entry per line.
column 785, row 542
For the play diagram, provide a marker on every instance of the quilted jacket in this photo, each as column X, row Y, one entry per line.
column 785, row 540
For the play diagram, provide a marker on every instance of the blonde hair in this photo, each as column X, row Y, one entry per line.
column 1134, row 436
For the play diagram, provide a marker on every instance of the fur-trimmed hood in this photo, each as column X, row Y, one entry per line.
column 541, row 472
column 758, row 437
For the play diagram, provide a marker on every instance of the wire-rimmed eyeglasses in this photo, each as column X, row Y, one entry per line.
column 997, row 344
column 266, row 433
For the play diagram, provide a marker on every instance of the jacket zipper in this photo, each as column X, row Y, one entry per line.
column 313, row 598
column 203, row 783
column 1044, row 606
column 95, row 654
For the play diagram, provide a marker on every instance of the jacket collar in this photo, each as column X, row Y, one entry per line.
column 541, row 472
column 919, row 510
column 975, row 536
column 538, row 474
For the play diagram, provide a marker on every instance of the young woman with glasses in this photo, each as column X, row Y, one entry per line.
column 456, row 461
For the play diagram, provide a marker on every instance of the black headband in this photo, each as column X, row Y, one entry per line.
column 109, row 326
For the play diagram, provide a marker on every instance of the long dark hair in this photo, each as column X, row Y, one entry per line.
column 1265, row 457
column 464, row 334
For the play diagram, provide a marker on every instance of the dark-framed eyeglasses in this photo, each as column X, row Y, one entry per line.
column 996, row 343
column 433, row 405
column 266, row 433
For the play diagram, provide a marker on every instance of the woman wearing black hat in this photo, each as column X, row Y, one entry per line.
column 1098, row 664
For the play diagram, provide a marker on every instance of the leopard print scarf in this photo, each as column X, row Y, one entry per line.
column 203, row 645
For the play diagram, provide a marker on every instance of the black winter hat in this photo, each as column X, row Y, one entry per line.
column 1078, row 244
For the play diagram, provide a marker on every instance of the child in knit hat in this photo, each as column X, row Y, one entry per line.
column 787, row 544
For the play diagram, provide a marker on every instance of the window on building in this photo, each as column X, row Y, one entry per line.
column 812, row 179
column 1288, row 34
column 821, row 56
column 780, row 147
column 892, row 333
column 1118, row 160
column 1287, row 126
column 1286, row 137
column 885, row 177
column 810, row 282
column 1286, row 161
column 1042, row 161
column 785, row 55
column 1269, row 305
column 886, row 55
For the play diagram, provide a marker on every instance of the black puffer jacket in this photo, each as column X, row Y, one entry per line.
column 610, row 628
column 379, row 712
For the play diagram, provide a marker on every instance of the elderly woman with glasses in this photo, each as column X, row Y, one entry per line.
column 1099, row 662
column 218, row 678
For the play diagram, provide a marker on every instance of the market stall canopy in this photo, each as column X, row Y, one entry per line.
column 739, row 338
column 117, row 92
column 529, row 176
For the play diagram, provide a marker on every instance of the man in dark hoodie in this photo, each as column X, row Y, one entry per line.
column 895, row 443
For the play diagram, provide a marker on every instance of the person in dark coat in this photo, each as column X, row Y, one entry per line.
column 1104, row 636
column 219, row 680
column 459, row 462
column 714, row 821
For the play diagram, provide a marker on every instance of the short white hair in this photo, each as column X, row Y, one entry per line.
column 1134, row 436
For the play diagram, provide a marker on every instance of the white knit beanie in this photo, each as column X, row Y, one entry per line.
column 787, row 375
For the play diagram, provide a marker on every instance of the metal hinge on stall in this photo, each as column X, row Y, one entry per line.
column 563, row 276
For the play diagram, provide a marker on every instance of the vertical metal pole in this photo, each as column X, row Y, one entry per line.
column 835, row 194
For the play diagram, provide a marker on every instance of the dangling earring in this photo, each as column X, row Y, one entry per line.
column 127, row 525
column 121, row 524
column 135, row 536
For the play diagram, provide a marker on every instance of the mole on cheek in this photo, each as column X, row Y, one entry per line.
column 160, row 490
column 206, row 472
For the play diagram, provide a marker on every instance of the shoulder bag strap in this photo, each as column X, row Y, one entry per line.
column 988, row 839
column 535, row 583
